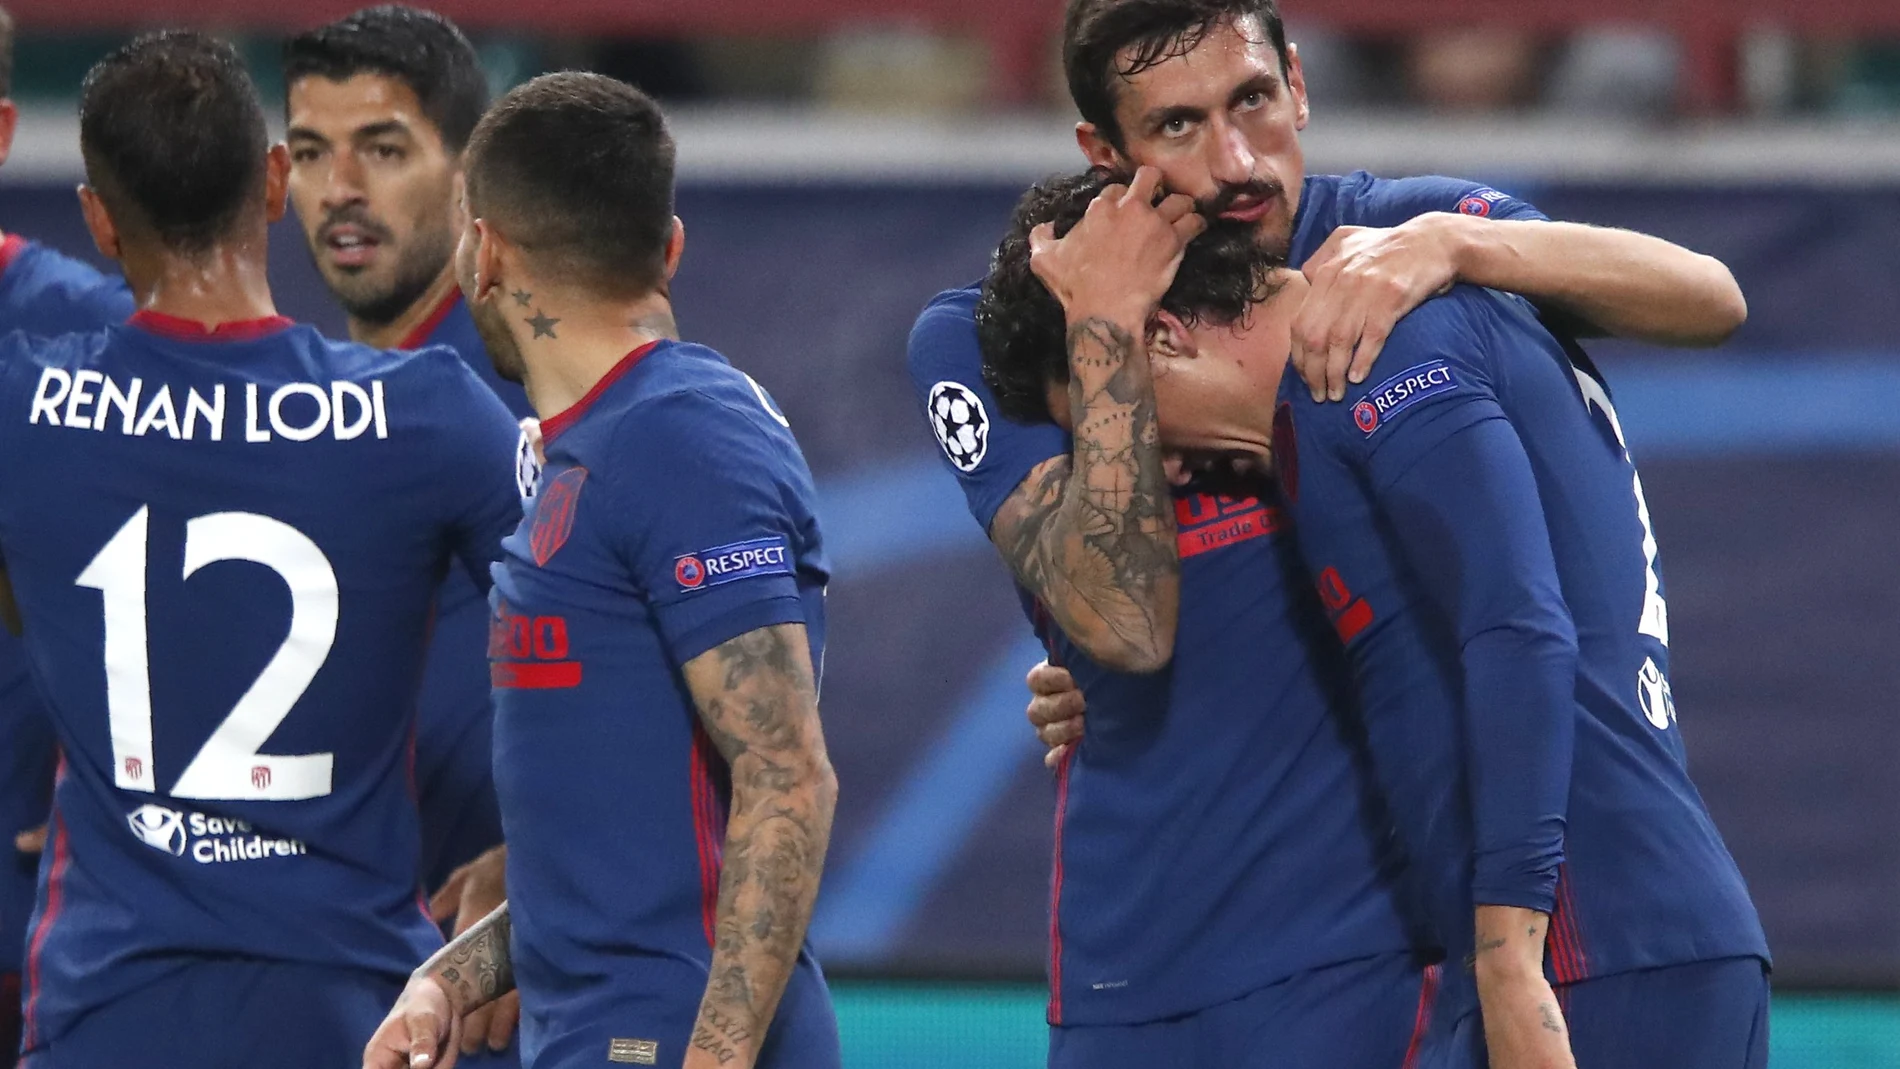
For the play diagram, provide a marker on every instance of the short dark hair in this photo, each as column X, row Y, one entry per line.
column 173, row 137
column 421, row 49
column 6, row 54
column 577, row 170
column 1023, row 330
column 1096, row 32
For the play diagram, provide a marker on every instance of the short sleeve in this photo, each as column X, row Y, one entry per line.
column 1443, row 385
column 486, row 506
column 708, row 505
column 1393, row 202
column 990, row 455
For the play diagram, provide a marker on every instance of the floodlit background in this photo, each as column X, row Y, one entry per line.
column 842, row 160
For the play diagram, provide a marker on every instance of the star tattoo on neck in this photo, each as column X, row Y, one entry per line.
column 522, row 297
column 543, row 326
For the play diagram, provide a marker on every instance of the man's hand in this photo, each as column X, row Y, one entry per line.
column 1363, row 282
column 422, row 1030
column 1523, row 1026
column 31, row 841
column 1055, row 710
column 471, row 893
column 1121, row 258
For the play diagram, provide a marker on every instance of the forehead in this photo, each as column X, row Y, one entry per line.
column 335, row 109
column 1234, row 51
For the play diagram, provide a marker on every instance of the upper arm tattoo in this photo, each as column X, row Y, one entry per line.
column 1093, row 535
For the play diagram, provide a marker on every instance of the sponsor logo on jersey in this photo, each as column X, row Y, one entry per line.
column 206, row 839
column 1349, row 614
column 527, row 652
column 633, row 1051
column 554, row 514
column 740, row 560
column 1401, row 392
column 1652, row 690
column 1207, row 522
column 961, row 423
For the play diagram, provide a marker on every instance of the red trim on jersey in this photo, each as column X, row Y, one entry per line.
column 565, row 418
column 1356, row 618
column 55, row 898
column 419, row 337
column 1055, row 890
column 1569, row 963
column 10, row 250
column 709, row 829
column 172, row 326
column 1421, row 1025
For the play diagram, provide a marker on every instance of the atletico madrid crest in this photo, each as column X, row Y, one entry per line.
column 554, row 513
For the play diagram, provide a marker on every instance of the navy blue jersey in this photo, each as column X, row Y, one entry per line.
column 1328, row 202
column 1480, row 538
column 674, row 514
column 41, row 292
column 1209, row 839
column 454, row 739
column 225, row 546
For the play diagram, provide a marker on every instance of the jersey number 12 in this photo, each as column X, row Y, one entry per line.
column 228, row 766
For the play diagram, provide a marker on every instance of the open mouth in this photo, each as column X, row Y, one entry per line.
column 350, row 247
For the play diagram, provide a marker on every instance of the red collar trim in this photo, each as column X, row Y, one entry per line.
column 171, row 326
column 10, row 250
column 419, row 337
column 562, row 420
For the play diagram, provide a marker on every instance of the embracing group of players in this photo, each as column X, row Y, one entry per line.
column 1358, row 691
column 1380, row 766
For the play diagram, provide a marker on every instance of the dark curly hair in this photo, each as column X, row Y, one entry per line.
column 1023, row 329
column 1105, row 42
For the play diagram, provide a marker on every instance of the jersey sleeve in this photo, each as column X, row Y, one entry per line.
column 1394, row 202
column 1448, row 471
column 706, row 505
column 989, row 455
column 486, row 503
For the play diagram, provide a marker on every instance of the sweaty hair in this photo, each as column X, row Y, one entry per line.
column 1023, row 330
column 420, row 49
column 1097, row 33
column 173, row 138
column 6, row 54
column 577, row 170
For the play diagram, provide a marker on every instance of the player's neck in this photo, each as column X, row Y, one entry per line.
column 228, row 284
column 566, row 355
column 395, row 333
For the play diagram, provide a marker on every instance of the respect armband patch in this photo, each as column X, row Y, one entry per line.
column 739, row 560
column 1401, row 392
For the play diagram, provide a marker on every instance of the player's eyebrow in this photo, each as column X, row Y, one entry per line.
column 379, row 129
column 304, row 133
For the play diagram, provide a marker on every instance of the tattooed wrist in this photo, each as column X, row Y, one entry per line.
column 476, row 968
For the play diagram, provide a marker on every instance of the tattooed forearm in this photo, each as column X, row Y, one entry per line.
column 1093, row 535
column 758, row 703
column 475, row 969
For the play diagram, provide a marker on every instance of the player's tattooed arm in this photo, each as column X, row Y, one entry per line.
column 475, row 968
column 1092, row 535
column 758, row 702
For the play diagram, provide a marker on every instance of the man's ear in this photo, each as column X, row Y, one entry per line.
column 675, row 247
column 1296, row 81
column 105, row 233
column 276, row 182
column 1169, row 339
column 1099, row 151
column 490, row 264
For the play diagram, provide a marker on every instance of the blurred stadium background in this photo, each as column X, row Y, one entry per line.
column 842, row 160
